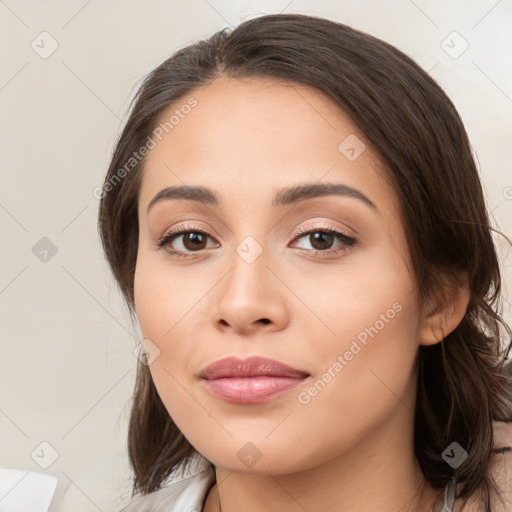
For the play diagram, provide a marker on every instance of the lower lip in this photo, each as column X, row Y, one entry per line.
column 251, row 390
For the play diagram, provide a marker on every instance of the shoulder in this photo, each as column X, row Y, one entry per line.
column 184, row 491
column 500, row 468
column 501, row 464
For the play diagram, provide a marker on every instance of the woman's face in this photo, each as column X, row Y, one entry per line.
column 340, row 307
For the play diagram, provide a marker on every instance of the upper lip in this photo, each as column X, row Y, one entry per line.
column 254, row 366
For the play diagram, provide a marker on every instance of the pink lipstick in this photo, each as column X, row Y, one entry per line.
column 250, row 381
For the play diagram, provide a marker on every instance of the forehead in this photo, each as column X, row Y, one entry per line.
column 249, row 137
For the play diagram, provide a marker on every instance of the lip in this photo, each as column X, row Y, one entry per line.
column 252, row 380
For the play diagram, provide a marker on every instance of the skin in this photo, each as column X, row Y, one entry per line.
column 351, row 446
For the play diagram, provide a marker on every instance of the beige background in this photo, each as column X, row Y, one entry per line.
column 67, row 365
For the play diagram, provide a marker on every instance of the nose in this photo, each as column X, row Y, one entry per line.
column 250, row 297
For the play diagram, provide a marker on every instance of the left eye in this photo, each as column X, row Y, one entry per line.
column 322, row 239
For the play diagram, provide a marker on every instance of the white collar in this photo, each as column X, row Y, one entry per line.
column 185, row 489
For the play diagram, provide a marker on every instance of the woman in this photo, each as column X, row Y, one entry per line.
column 334, row 343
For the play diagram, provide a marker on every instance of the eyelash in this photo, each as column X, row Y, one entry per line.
column 170, row 236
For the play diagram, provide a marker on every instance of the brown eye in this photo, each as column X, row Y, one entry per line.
column 192, row 240
column 322, row 239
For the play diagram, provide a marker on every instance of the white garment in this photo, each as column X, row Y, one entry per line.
column 186, row 489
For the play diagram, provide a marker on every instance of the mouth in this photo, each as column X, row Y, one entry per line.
column 250, row 381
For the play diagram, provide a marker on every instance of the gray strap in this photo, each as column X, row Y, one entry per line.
column 449, row 496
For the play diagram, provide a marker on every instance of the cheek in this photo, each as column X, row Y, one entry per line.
column 371, row 301
column 166, row 299
column 171, row 310
column 367, row 359
column 365, row 377
column 163, row 305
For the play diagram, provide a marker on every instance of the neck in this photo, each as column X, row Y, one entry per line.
column 380, row 473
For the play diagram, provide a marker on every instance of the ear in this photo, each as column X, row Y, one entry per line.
column 442, row 317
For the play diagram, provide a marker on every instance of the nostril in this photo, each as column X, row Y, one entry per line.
column 265, row 320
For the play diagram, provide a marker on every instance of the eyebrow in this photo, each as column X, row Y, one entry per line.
column 283, row 197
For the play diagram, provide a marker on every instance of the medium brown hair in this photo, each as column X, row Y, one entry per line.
column 464, row 382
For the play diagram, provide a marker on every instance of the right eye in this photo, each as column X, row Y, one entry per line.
column 193, row 240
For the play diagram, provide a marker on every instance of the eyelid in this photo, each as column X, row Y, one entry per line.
column 180, row 229
column 329, row 227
